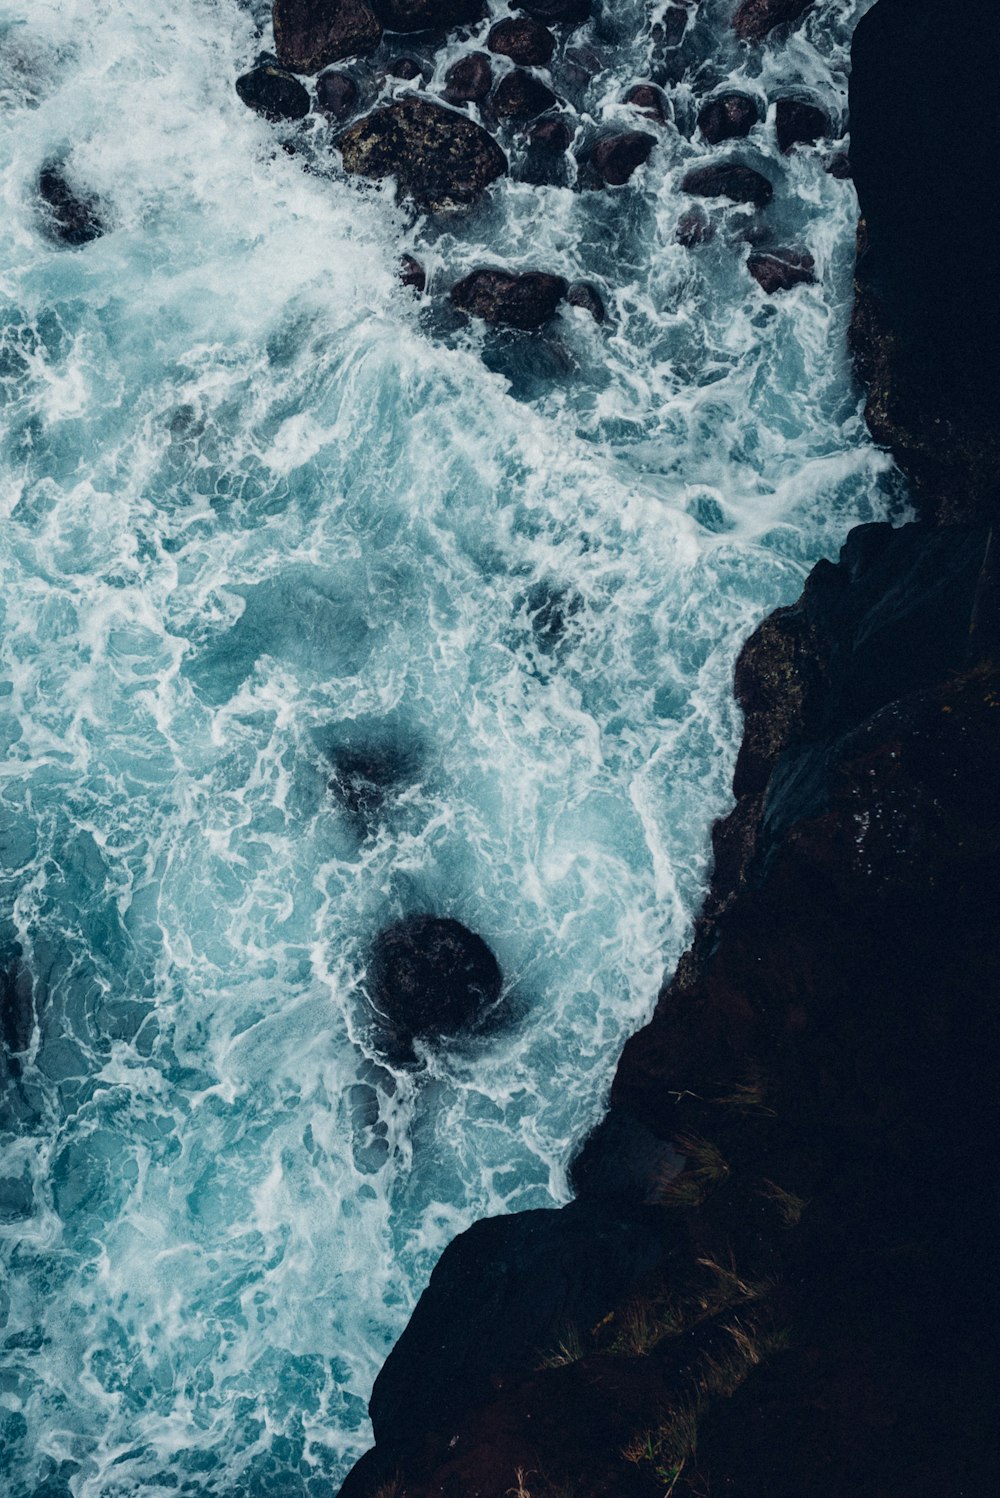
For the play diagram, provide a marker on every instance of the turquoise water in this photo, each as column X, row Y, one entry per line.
column 254, row 495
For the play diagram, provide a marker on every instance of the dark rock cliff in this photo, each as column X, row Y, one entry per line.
column 809, row 1305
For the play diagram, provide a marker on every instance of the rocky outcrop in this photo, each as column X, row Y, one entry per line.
column 526, row 300
column 440, row 159
column 806, row 1127
column 429, row 978
column 310, row 34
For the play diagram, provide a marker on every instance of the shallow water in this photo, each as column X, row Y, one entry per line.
column 257, row 499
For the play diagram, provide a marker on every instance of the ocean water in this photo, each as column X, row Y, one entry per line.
column 257, row 500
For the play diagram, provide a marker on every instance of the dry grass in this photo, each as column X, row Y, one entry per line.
column 519, row 1490
column 790, row 1207
column 569, row 1349
column 748, row 1097
column 705, row 1169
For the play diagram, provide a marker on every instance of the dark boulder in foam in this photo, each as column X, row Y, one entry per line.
column 798, row 123
column 522, row 96
column 71, row 217
column 469, row 80
column 439, row 158
column 727, row 179
column 524, row 40
column 430, row 979
column 272, row 92
column 616, row 157
column 780, row 270
column 309, row 34
column 522, row 301
column 727, row 117
column 337, row 95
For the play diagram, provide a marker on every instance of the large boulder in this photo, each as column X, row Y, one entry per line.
column 469, row 80
column 273, row 93
column 337, row 95
column 521, row 96
column 309, row 34
column 799, row 123
column 780, row 270
column 616, row 157
column 649, row 100
column 754, row 19
column 524, row 40
column 429, row 978
column 428, row 15
column 71, row 217
column 727, row 117
column 440, row 159
column 727, row 179
column 523, row 301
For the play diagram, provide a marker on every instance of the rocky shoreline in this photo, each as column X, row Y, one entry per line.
column 777, row 1276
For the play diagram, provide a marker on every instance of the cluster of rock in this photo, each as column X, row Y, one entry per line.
column 442, row 157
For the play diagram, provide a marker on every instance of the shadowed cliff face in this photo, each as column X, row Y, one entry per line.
column 815, row 1311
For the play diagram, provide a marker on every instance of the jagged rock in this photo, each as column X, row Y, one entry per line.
column 779, row 270
column 70, row 217
column 440, row 159
column 727, row 117
column 754, row 19
column 522, row 96
column 337, row 95
column 309, row 34
column 524, row 40
column 557, row 12
column 429, row 978
column 428, row 15
column 726, row 179
column 839, row 166
column 650, row 100
column 586, row 295
column 799, row 123
column 616, row 157
column 469, row 80
column 525, row 300
column 412, row 273
column 273, row 93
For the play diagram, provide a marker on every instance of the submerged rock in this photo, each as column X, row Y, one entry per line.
column 726, row 179
column 799, row 123
column 650, row 100
column 727, row 117
column 71, row 218
column 273, row 93
column 522, row 301
column 365, row 775
column 309, row 34
column 550, row 136
column 779, row 270
column 469, row 80
column 524, row 40
column 694, row 227
column 337, row 95
column 407, row 68
column 616, row 157
column 429, row 978
column 428, row 15
column 754, row 19
column 522, row 96
column 586, row 295
column 440, row 158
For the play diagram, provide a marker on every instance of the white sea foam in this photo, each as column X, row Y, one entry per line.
column 252, row 489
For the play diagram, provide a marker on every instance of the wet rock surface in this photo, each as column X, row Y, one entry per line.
column 521, row 96
column 440, row 158
column 650, row 100
column 741, row 184
column 780, row 270
column 273, row 93
column 309, row 34
column 584, row 294
column 799, row 123
column 727, row 117
column 469, row 80
column 70, row 216
column 429, row 979
column 756, row 19
column 522, row 39
column 523, row 300
column 617, row 157
column 337, row 95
